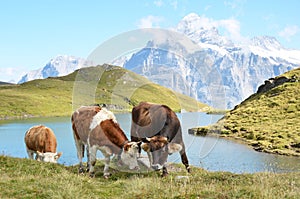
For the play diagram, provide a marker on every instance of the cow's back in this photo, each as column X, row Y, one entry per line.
column 81, row 121
column 41, row 138
column 154, row 119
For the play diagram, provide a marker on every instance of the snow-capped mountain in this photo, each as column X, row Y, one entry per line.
column 195, row 59
column 59, row 66
column 218, row 72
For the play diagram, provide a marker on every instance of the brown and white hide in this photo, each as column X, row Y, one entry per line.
column 41, row 140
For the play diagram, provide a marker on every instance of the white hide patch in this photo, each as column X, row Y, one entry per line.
column 101, row 116
column 130, row 157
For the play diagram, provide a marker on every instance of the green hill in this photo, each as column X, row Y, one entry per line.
column 117, row 88
column 268, row 120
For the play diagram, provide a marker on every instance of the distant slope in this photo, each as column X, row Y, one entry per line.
column 118, row 88
column 5, row 83
column 268, row 120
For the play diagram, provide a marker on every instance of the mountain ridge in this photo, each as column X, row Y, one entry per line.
column 59, row 66
column 241, row 67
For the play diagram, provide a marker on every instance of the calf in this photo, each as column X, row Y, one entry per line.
column 160, row 130
column 41, row 141
column 96, row 128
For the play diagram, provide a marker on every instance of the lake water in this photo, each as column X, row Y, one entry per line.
column 210, row 153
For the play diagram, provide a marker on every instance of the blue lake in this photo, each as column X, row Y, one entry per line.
column 210, row 153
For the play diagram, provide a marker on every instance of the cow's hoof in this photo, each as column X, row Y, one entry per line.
column 92, row 174
column 80, row 170
column 164, row 174
column 188, row 169
column 106, row 176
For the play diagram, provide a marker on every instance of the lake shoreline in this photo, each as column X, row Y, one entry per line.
column 206, row 131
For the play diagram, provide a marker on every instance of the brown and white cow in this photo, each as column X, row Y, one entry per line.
column 97, row 129
column 42, row 141
column 160, row 130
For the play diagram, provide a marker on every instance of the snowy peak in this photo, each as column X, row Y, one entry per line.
column 266, row 42
column 201, row 30
column 59, row 66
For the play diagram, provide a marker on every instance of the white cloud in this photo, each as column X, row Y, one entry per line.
column 289, row 31
column 150, row 22
column 232, row 28
column 158, row 3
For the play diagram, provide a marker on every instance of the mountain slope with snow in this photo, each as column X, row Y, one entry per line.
column 59, row 66
column 220, row 72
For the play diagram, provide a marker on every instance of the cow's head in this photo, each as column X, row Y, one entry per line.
column 158, row 148
column 48, row 156
column 129, row 155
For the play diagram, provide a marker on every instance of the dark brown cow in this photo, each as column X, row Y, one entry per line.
column 42, row 141
column 160, row 129
column 97, row 129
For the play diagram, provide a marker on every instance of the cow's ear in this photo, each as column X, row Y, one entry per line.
column 58, row 155
column 127, row 147
column 40, row 154
column 146, row 147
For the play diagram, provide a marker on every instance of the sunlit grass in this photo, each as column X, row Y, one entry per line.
column 24, row 178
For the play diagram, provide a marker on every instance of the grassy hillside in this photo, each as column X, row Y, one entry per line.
column 269, row 121
column 115, row 86
column 24, row 178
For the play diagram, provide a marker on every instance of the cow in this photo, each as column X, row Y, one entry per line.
column 160, row 130
column 41, row 140
column 96, row 128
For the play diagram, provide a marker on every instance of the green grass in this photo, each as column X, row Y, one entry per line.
column 24, row 178
column 270, row 121
column 112, row 85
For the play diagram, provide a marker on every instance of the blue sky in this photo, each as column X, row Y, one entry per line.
column 34, row 31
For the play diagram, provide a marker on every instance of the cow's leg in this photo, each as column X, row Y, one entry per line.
column 88, row 159
column 106, row 173
column 30, row 153
column 80, row 154
column 107, row 155
column 184, row 159
column 150, row 158
column 92, row 160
